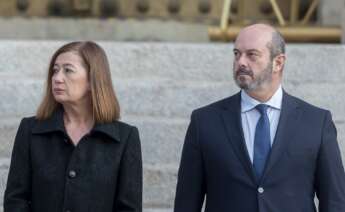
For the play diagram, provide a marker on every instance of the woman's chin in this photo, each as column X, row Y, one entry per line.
column 60, row 99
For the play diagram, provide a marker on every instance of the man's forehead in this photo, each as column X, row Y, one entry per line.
column 247, row 40
column 251, row 45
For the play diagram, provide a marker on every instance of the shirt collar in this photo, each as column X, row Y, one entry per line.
column 248, row 102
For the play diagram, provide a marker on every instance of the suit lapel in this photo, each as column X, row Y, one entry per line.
column 287, row 126
column 231, row 115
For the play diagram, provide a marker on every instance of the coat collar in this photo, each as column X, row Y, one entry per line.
column 288, row 122
column 55, row 124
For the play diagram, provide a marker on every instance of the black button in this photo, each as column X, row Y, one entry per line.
column 72, row 174
column 67, row 211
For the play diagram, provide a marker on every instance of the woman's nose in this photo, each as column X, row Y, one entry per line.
column 58, row 77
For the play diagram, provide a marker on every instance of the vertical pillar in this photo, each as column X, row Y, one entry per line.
column 343, row 24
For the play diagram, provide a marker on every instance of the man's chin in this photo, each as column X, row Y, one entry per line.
column 245, row 86
column 242, row 85
column 243, row 82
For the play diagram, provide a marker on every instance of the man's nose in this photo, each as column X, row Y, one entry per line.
column 242, row 61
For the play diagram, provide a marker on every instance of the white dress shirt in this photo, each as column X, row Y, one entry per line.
column 250, row 116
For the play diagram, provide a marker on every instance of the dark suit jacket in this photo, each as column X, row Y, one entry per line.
column 103, row 173
column 305, row 160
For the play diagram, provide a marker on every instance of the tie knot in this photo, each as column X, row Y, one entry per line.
column 262, row 108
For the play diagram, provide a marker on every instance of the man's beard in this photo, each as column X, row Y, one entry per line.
column 257, row 81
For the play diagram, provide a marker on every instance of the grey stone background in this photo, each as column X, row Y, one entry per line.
column 158, row 86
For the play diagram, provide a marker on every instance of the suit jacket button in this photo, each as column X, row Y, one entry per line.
column 72, row 174
column 261, row 190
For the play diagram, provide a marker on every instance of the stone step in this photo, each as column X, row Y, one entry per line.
column 158, row 210
column 166, row 98
column 175, row 61
column 161, row 140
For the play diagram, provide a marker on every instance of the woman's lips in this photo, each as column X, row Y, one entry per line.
column 58, row 90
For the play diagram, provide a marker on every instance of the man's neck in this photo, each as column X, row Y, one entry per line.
column 263, row 94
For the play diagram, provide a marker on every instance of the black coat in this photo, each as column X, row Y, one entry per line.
column 103, row 173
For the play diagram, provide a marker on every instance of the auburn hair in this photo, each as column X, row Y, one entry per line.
column 105, row 106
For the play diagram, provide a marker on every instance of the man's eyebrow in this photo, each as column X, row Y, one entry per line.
column 247, row 50
column 252, row 50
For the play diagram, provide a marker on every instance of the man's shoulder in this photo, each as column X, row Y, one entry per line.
column 305, row 105
column 219, row 105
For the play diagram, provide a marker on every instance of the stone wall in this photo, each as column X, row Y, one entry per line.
column 158, row 86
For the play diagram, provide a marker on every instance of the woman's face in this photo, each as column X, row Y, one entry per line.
column 70, row 83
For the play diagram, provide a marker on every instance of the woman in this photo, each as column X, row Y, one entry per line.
column 75, row 155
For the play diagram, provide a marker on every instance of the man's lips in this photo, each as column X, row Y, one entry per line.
column 244, row 73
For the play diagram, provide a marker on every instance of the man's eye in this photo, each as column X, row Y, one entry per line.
column 253, row 55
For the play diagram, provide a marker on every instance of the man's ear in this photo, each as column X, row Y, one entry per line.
column 278, row 63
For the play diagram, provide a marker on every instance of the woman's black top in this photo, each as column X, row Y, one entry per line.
column 103, row 173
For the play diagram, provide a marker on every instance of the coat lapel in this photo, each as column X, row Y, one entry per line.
column 231, row 115
column 287, row 126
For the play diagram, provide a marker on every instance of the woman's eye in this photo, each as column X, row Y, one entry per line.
column 55, row 70
column 68, row 70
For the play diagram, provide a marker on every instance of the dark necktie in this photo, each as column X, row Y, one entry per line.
column 262, row 141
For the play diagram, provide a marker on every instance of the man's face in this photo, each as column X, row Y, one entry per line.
column 252, row 66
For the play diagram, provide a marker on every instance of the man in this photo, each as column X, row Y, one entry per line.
column 260, row 150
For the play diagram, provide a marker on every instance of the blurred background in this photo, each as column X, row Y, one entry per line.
column 166, row 20
column 167, row 58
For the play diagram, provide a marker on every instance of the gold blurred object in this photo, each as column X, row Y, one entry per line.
column 294, row 11
column 82, row 4
column 310, row 11
column 292, row 28
column 204, row 11
column 290, row 33
column 277, row 12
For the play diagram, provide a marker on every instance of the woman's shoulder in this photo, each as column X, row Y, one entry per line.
column 123, row 125
column 29, row 121
column 124, row 128
column 118, row 130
